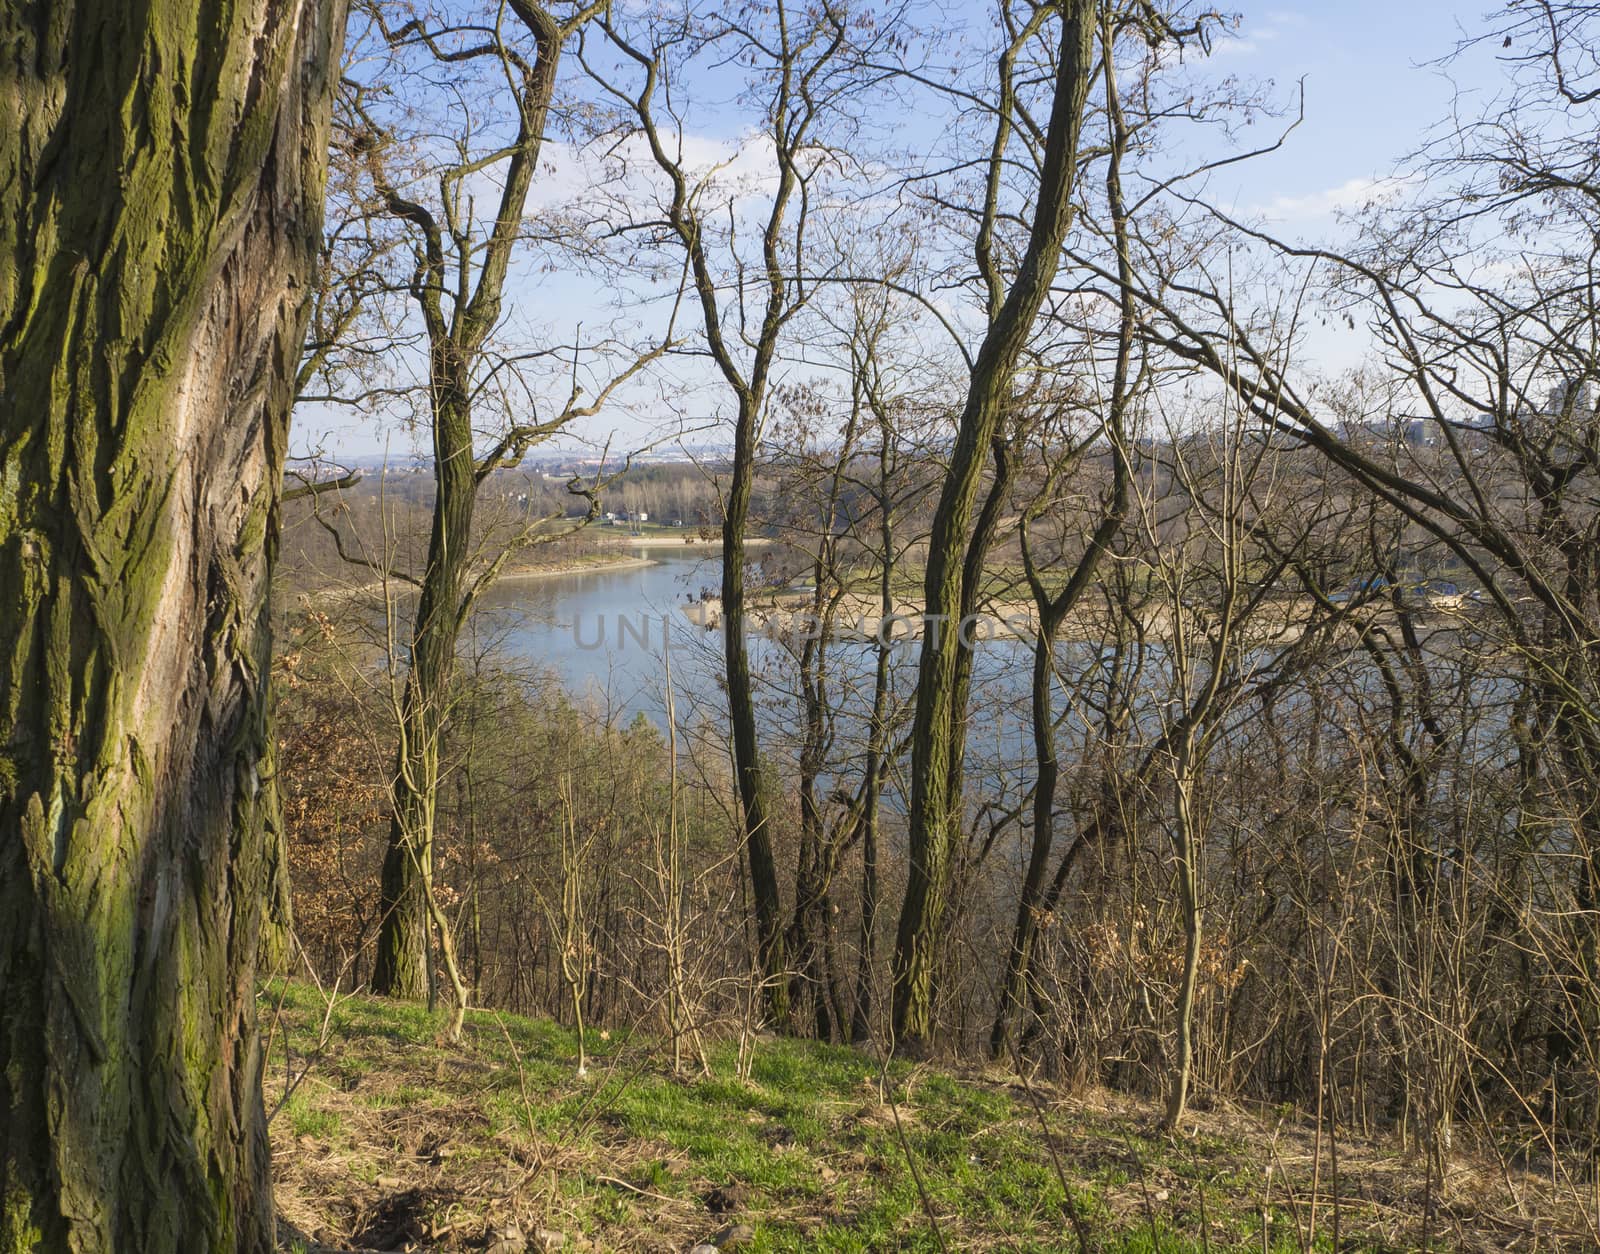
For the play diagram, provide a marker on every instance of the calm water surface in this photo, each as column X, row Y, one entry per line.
column 601, row 633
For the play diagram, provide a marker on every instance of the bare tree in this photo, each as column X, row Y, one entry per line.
column 1011, row 310
column 805, row 69
column 1479, row 299
column 1061, row 454
column 458, row 290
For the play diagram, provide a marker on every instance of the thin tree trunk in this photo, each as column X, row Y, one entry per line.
column 821, row 848
column 456, row 343
column 877, row 743
column 401, row 966
column 938, row 724
column 161, row 174
column 764, row 888
column 1019, row 958
column 1053, row 610
column 1189, row 906
column 877, row 737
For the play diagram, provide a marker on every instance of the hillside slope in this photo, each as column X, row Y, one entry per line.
column 386, row 1138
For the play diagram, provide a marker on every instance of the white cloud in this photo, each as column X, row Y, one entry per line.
column 1253, row 35
column 1346, row 197
column 742, row 170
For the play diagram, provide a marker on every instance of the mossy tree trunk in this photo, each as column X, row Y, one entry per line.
column 768, row 897
column 401, row 966
column 161, row 175
column 938, row 726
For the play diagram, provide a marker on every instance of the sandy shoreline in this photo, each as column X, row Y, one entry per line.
column 859, row 616
column 687, row 542
column 575, row 568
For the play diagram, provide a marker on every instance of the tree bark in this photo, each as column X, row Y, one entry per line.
column 795, row 63
column 1053, row 610
column 161, row 177
column 877, row 747
column 401, row 967
column 742, row 715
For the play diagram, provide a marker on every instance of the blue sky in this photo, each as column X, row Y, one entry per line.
column 1373, row 90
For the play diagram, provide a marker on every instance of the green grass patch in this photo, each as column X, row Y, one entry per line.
column 821, row 1149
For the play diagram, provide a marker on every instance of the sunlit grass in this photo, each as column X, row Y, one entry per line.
column 823, row 1148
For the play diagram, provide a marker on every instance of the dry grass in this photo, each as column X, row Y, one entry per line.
column 393, row 1140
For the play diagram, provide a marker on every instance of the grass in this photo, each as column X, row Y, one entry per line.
column 395, row 1140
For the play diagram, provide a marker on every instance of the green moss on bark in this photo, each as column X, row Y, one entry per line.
column 144, row 337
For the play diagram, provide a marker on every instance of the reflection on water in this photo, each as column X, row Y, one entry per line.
column 604, row 634
column 607, row 635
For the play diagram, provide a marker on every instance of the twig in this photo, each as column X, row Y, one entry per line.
column 1080, row 1225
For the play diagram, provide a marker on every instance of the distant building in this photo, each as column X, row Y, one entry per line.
column 1571, row 395
column 1418, row 431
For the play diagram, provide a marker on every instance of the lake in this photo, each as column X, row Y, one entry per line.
column 608, row 634
column 601, row 632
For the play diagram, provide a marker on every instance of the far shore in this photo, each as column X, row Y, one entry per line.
column 597, row 563
column 521, row 574
column 574, row 568
column 859, row 616
column 669, row 540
